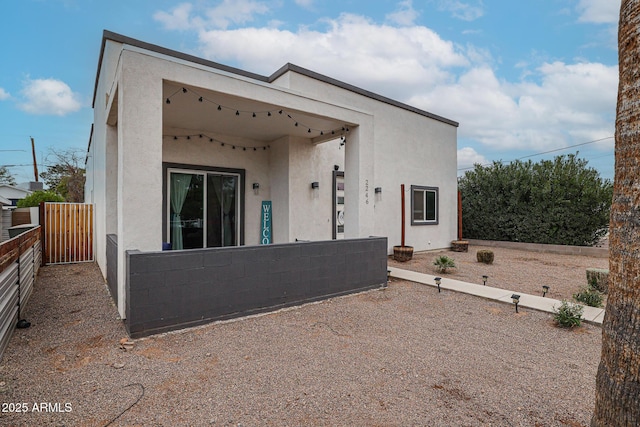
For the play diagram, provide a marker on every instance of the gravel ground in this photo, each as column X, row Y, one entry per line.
column 514, row 270
column 396, row 357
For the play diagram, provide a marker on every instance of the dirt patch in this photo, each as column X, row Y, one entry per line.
column 514, row 270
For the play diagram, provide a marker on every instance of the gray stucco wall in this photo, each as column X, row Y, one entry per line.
column 112, row 266
column 175, row 289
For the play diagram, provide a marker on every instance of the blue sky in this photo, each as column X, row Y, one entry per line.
column 521, row 77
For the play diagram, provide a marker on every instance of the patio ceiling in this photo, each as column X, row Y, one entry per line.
column 208, row 111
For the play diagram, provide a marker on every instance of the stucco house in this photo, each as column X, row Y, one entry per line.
column 13, row 193
column 213, row 161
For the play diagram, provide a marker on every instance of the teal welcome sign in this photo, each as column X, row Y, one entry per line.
column 266, row 214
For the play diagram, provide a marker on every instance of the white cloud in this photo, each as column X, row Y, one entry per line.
column 599, row 11
column 225, row 14
column 467, row 11
column 49, row 96
column 4, row 94
column 177, row 19
column 468, row 157
column 572, row 103
column 553, row 105
column 405, row 15
column 305, row 3
column 388, row 60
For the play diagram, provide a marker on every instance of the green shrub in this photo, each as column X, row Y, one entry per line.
column 485, row 256
column 36, row 197
column 589, row 296
column 443, row 263
column 568, row 315
column 598, row 278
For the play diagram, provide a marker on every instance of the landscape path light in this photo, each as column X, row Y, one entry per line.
column 516, row 300
column 484, row 279
column 545, row 289
column 438, row 280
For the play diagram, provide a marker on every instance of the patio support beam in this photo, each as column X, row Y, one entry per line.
column 358, row 180
column 139, row 163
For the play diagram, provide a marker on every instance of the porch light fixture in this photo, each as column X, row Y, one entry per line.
column 378, row 190
column 484, row 279
column 315, row 185
column 545, row 289
column 438, row 281
column 336, row 167
column 516, row 299
column 256, row 188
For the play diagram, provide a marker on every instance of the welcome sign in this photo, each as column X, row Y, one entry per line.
column 266, row 214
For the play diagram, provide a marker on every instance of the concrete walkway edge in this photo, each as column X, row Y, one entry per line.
column 591, row 314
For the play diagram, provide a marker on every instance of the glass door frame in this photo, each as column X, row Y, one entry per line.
column 168, row 168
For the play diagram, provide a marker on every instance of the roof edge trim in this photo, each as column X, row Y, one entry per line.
column 321, row 77
column 119, row 38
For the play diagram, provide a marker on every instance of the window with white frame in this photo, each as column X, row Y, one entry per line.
column 424, row 205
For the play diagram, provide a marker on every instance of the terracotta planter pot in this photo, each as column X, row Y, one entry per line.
column 402, row 253
column 460, row 245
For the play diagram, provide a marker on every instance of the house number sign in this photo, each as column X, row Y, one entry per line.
column 265, row 221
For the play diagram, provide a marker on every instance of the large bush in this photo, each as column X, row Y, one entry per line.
column 559, row 201
column 36, row 197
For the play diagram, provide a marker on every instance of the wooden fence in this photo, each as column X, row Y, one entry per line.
column 20, row 259
column 68, row 232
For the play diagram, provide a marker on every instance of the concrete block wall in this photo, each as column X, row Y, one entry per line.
column 176, row 289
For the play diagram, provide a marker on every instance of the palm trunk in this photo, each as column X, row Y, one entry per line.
column 618, row 379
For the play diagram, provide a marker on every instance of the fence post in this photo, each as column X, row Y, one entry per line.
column 43, row 255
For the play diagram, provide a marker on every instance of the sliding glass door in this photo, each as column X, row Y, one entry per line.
column 221, row 210
column 203, row 209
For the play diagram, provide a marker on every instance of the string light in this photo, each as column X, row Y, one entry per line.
column 268, row 113
column 222, row 143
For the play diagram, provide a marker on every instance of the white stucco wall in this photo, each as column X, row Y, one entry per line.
column 409, row 149
column 279, row 189
column 312, row 210
column 98, row 159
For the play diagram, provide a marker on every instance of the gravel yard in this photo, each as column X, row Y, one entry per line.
column 514, row 270
column 396, row 357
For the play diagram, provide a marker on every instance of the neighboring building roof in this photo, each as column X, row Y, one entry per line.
column 4, row 201
column 13, row 192
column 108, row 35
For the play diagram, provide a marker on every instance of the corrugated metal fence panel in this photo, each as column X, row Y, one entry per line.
column 37, row 256
column 19, row 264
column 68, row 232
column 5, row 223
column 8, row 304
column 27, row 277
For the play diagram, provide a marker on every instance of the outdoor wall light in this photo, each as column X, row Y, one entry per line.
column 484, row 280
column 516, row 300
column 378, row 190
column 438, row 281
column 256, row 188
column 315, row 185
column 336, row 167
column 545, row 289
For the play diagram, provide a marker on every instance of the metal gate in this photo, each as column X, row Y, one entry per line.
column 68, row 232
